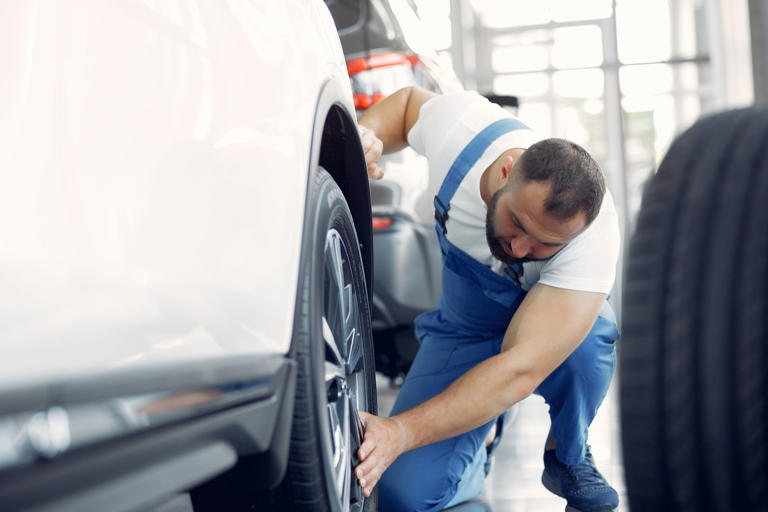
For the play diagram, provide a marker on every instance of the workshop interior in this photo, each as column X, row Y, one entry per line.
column 207, row 301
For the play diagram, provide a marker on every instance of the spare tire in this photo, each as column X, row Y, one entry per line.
column 693, row 356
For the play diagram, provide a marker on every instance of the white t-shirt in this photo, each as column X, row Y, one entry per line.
column 446, row 124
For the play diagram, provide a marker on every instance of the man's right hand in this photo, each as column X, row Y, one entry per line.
column 385, row 439
column 372, row 147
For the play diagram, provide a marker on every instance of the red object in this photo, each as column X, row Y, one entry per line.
column 382, row 222
column 380, row 60
column 362, row 101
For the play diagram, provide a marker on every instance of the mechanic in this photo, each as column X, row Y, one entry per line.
column 530, row 242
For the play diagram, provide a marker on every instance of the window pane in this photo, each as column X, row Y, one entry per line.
column 577, row 47
column 524, row 51
column 525, row 85
column 512, row 13
column 643, row 30
column 519, row 58
column 570, row 10
column 646, row 80
column 539, row 37
column 579, row 83
column 583, row 123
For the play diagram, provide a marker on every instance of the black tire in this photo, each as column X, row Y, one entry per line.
column 693, row 355
column 324, row 384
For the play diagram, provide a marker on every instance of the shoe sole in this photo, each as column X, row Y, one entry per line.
column 552, row 487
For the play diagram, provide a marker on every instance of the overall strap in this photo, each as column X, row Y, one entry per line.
column 464, row 162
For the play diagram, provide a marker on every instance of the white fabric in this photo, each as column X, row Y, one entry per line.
column 446, row 124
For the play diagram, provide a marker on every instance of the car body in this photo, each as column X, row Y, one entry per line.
column 157, row 170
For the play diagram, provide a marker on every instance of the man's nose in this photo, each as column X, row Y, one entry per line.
column 520, row 246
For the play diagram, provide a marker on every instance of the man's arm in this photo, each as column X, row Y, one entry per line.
column 384, row 126
column 547, row 327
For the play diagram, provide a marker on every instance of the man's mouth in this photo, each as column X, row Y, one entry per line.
column 505, row 245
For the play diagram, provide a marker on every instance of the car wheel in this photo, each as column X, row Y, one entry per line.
column 334, row 352
column 693, row 355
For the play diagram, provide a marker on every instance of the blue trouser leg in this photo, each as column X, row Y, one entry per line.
column 426, row 479
column 576, row 388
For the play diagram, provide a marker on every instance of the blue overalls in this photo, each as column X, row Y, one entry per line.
column 468, row 327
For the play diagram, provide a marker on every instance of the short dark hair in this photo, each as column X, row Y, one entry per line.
column 577, row 181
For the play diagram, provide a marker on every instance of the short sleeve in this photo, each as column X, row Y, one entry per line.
column 436, row 117
column 588, row 263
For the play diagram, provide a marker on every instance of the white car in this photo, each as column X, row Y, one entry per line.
column 185, row 247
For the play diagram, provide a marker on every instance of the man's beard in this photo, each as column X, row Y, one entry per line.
column 497, row 250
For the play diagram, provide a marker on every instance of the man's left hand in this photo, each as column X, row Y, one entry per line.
column 385, row 439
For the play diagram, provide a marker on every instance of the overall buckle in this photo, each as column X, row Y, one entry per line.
column 441, row 213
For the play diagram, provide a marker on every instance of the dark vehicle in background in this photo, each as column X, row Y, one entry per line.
column 385, row 48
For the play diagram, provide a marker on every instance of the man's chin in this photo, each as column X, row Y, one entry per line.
column 515, row 261
column 498, row 252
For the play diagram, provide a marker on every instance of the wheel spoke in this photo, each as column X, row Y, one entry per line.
column 335, row 260
column 347, row 295
column 336, row 434
column 355, row 352
column 331, row 347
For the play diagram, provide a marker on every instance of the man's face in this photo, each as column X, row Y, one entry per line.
column 518, row 229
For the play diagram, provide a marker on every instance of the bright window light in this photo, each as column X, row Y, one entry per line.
column 643, row 30
column 537, row 115
column 512, row 13
column 570, row 10
column 579, row 83
column 577, row 47
column 646, row 80
column 507, row 59
column 523, row 86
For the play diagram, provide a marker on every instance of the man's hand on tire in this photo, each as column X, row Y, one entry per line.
column 372, row 147
column 384, row 441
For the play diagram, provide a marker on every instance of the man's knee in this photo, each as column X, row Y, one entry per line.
column 595, row 357
column 401, row 492
column 415, row 482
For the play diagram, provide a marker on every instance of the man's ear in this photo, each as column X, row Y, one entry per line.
column 506, row 169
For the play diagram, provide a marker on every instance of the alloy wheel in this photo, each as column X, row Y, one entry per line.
column 344, row 364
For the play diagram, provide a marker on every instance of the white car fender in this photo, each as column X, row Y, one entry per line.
column 153, row 173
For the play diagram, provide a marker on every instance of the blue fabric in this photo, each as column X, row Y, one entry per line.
column 468, row 327
column 469, row 155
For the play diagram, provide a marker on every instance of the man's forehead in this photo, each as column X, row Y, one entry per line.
column 526, row 207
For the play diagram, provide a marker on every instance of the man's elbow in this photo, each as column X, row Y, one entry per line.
column 528, row 383
column 523, row 379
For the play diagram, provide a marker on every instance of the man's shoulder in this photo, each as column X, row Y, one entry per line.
column 588, row 262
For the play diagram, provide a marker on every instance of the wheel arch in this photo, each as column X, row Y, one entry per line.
column 336, row 147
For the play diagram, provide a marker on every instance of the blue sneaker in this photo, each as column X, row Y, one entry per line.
column 581, row 484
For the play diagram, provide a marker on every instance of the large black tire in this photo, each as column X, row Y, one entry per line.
column 693, row 355
column 332, row 269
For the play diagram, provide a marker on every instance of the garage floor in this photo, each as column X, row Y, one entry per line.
column 514, row 483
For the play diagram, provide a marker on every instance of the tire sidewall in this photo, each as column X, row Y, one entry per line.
column 328, row 210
